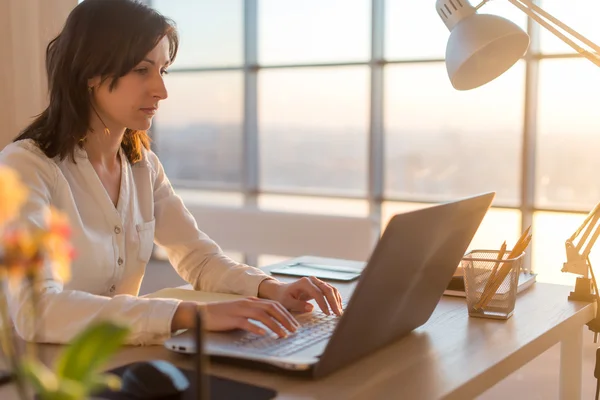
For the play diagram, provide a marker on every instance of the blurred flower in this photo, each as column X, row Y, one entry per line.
column 24, row 250
column 56, row 241
column 12, row 195
column 20, row 254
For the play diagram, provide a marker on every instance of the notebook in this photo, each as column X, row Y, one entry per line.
column 456, row 287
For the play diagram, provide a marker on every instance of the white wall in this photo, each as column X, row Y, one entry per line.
column 26, row 27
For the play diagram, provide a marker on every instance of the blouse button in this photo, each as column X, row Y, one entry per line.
column 120, row 261
column 117, row 230
column 112, row 288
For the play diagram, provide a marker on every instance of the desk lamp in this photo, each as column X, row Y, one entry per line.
column 482, row 47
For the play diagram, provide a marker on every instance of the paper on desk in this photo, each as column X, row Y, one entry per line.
column 193, row 295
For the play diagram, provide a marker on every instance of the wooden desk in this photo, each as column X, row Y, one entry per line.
column 451, row 357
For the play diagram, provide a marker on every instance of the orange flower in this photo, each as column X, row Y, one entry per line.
column 60, row 253
column 12, row 194
column 25, row 250
column 57, row 244
column 58, row 223
column 21, row 253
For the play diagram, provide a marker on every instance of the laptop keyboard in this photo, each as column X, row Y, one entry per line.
column 314, row 327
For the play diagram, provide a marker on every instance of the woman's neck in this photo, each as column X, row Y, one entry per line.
column 103, row 149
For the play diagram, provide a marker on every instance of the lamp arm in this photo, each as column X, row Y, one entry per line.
column 531, row 10
column 560, row 24
column 588, row 229
column 590, row 243
column 578, row 260
column 585, row 222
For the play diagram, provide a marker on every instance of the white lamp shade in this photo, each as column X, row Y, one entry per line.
column 482, row 47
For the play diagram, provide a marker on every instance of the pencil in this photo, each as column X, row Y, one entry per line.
column 495, row 268
column 498, row 278
column 503, row 273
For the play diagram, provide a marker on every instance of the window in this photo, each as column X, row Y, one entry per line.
column 313, row 127
column 211, row 32
column 200, row 128
column 313, row 31
column 285, row 105
column 442, row 144
column 580, row 15
column 568, row 135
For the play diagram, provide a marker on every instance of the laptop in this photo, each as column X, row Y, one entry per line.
column 403, row 281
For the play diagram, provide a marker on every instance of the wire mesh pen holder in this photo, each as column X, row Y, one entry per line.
column 491, row 283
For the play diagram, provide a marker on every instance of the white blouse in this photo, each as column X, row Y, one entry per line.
column 113, row 246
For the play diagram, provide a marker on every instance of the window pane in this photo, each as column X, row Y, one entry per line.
column 314, row 205
column 210, row 32
column 568, row 135
column 414, row 30
column 313, row 129
column 313, row 31
column 199, row 128
column 550, row 231
column 442, row 143
column 497, row 226
column 581, row 15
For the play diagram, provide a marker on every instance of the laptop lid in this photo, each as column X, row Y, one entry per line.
column 404, row 279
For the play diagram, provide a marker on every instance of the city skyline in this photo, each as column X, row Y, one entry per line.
column 420, row 165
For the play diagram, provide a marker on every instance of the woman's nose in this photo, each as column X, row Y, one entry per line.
column 160, row 89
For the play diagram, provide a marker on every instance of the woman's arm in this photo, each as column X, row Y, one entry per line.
column 197, row 258
column 200, row 261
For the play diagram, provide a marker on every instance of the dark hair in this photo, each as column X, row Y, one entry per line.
column 105, row 38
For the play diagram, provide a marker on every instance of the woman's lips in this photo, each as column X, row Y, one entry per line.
column 149, row 110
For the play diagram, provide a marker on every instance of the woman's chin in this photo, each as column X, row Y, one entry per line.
column 141, row 125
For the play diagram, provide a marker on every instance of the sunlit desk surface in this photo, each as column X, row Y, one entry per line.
column 451, row 357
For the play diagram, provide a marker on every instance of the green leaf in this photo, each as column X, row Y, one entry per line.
column 68, row 390
column 40, row 376
column 89, row 351
column 102, row 381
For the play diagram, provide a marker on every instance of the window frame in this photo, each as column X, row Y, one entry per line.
column 250, row 185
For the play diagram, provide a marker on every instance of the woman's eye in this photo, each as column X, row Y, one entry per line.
column 164, row 72
column 141, row 71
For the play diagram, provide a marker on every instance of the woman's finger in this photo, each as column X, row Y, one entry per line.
column 315, row 292
column 246, row 325
column 263, row 317
column 338, row 296
column 340, row 301
column 283, row 316
column 329, row 293
column 288, row 314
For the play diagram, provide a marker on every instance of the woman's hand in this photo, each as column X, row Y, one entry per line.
column 294, row 296
column 273, row 313
column 235, row 314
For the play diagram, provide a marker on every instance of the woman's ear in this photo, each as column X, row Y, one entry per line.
column 94, row 82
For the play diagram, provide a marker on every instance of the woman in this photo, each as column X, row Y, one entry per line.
column 88, row 155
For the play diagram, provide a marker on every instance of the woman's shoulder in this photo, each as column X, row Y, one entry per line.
column 149, row 160
column 25, row 150
column 26, row 157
